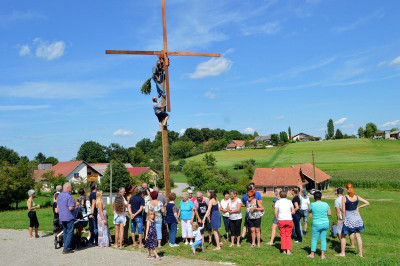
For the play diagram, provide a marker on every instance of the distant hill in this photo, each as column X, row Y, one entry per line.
column 329, row 155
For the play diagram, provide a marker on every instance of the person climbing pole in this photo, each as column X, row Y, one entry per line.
column 158, row 77
column 162, row 116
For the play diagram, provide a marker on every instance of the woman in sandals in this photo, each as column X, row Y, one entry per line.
column 352, row 221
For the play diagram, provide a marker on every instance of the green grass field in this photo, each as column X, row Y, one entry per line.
column 380, row 238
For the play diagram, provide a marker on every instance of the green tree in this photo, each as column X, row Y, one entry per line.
column 233, row 134
column 218, row 133
column 290, row 133
column 275, row 139
column 370, row 130
column 283, row 137
column 181, row 149
column 92, row 152
column 209, row 159
column 136, row 156
column 207, row 133
column 8, row 155
column 360, row 132
column 54, row 180
column 247, row 143
column 394, row 129
column 145, row 145
column 255, row 134
column 117, row 152
column 52, row 160
column 338, row 134
column 198, row 174
column 249, row 170
column 331, row 129
column 218, row 145
column 40, row 157
column 120, row 177
column 194, row 135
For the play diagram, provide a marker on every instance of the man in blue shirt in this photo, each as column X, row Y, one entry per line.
column 135, row 208
column 66, row 210
column 158, row 78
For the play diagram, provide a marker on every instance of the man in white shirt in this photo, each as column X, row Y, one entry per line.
column 305, row 206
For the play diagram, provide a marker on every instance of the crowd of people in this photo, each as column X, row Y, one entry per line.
column 153, row 218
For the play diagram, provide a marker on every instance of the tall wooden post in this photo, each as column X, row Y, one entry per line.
column 315, row 179
column 165, row 152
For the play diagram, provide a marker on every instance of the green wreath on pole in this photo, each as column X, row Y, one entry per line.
column 146, row 87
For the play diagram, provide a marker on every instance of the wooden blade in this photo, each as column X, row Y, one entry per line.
column 167, row 87
column 133, row 52
column 194, row 54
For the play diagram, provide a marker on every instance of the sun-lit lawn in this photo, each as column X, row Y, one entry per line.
column 380, row 237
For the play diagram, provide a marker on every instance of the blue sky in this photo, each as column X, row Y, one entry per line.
column 284, row 63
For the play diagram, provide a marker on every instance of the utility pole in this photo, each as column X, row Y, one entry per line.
column 315, row 180
column 110, row 183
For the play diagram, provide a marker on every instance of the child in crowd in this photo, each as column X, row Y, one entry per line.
column 334, row 231
column 88, row 210
column 198, row 240
column 151, row 236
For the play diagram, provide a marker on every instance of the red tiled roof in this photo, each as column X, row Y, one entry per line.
column 65, row 168
column 232, row 145
column 239, row 143
column 288, row 176
column 37, row 175
column 134, row 171
column 307, row 169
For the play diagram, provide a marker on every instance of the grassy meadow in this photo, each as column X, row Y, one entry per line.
column 380, row 239
column 376, row 162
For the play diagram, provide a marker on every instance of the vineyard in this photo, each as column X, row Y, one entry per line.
column 366, row 178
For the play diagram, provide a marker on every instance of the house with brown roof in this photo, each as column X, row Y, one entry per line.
column 267, row 180
column 305, row 137
column 74, row 171
column 135, row 171
column 236, row 144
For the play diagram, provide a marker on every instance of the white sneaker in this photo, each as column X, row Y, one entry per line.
column 175, row 245
column 191, row 243
column 186, row 243
column 171, row 245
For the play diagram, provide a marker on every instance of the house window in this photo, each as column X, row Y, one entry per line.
column 76, row 175
column 265, row 189
column 89, row 173
column 286, row 189
column 275, row 189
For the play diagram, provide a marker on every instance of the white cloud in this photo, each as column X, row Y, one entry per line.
column 381, row 63
column 22, row 107
column 360, row 22
column 209, row 95
column 182, row 131
column 268, row 28
column 17, row 16
column 395, row 62
column 25, row 50
column 281, row 117
column 49, row 51
column 212, row 67
column 121, row 132
column 392, row 123
column 249, row 130
column 340, row 121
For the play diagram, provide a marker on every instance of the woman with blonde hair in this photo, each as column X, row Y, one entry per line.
column 352, row 221
column 119, row 219
column 104, row 237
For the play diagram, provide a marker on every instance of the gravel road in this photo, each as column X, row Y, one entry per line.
column 17, row 249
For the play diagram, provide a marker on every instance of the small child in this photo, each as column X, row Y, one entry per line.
column 151, row 236
column 334, row 232
column 198, row 239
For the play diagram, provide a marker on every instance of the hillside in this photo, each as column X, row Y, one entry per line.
column 329, row 155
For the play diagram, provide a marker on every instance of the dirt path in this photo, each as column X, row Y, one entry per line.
column 17, row 249
column 179, row 188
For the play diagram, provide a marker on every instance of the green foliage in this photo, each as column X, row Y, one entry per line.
column 249, row 171
column 290, row 133
column 370, row 130
column 283, row 137
column 194, row 135
column 360, row 132
column 198, row 174
column 255, row 134
column 275, row 139
column 233, row 134
column 145, row 145
column 15, row 181
column 120, row 177
column 209, row 159
column 394, row 129
column 218, row 145
column 117, row 152
column 338, row 134
column 142, row 178
column 92, row 152
column 146, row 87
column 8, row 155
column 136, row 156
column 40, row 157
column 181, row 149
column 331, row 129
column 52, row 160
column 53, row 180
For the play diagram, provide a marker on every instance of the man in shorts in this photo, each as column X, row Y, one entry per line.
column 162, row 116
